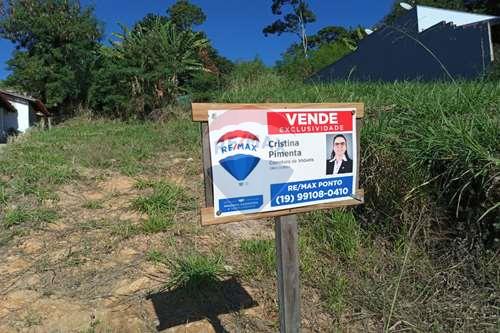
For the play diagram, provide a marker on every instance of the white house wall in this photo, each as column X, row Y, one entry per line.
column 23, row 115
column 428, row 17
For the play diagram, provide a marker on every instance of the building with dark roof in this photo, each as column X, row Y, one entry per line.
column 19, row 112
column 424, row 44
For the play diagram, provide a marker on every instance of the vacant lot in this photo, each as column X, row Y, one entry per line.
column 100, row 232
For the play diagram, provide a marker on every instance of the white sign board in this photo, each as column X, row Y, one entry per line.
column 273, row 159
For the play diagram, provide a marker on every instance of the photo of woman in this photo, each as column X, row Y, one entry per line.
column 338, row 161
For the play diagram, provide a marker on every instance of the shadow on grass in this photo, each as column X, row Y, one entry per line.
column 184, row 305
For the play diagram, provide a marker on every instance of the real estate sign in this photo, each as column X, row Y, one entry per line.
column 275, row 158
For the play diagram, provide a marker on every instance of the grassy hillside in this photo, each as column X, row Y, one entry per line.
column 440, row 141
column 418, row 256
column 421, row 251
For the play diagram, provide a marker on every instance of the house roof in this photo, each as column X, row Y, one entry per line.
column 4, row 102
column 18, row 95
column 430, row 16
column 36, row 103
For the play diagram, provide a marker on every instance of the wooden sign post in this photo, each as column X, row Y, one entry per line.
column 287, row 261
column 237, row 132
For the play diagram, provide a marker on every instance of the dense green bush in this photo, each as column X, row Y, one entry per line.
column 55, row 44
column 295, row 65
column 144, row 69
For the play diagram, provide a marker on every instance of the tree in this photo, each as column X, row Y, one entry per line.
column 55, row 41
column 328, row 45
column 184, row 15
column 295, row 66
column 145, row 69
column 205, row 83
column 293, row 22
column 330, row 34
column 149, row 21
column 490, row 7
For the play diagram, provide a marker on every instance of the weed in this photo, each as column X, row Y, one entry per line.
column 156, row 257
column 335, row 294
column 180, row 131
column 194, row 271
column 142, row 184
column 95, row 326
column 124, row 229
column 74, row 259
column 3, row 196
column 166, row 199
column 42, row 265
column 20, row 215
column 161, row 206
column 335, row 230
column 259, row 257
column 32, row 319
column 15, row 217
column 157, row 223
column 46, row 159
column 8, row 234
column 93, row 204
column 93, row 224
column 44, row 215
column 307, row 256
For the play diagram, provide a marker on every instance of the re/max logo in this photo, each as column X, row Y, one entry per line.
column 238, row 146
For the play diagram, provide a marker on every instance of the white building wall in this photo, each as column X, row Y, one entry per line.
column 23, row 115
column 429, row 16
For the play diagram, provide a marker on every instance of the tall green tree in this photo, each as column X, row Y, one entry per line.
column 185, row 15
column 330, row 34
column 295, row 21
column 55, row 41
column 149, row 21
column 296, row 66
column 326, row 46
column 145, row 69
column 204, row 84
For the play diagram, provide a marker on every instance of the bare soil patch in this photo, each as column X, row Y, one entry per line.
column 86, row 273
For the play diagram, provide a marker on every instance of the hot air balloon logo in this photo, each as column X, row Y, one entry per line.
column 238, row 146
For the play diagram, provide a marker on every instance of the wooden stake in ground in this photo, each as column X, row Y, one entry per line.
column 287, row 261
column 287, row 253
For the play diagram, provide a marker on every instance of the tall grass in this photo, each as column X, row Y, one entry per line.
column 411, row 259
column 438, row 139
column 162, row 205
column 35, row 165
column 55, row 156
column 195, row 271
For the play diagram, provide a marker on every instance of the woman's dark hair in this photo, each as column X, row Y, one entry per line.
column 332, row 155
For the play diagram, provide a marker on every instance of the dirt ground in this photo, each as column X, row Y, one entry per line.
column 86, row 273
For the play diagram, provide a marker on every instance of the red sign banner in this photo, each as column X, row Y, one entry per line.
column 297, row 122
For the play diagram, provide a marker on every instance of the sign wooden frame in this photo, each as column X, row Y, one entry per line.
column 200, row 114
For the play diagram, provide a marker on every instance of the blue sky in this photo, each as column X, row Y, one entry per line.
column 234, row 27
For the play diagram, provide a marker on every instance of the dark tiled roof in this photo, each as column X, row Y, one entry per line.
column 4, row 103
column 36, row 103
column 17, row 95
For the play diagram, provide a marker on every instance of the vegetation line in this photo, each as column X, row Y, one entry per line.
column 416, row 224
